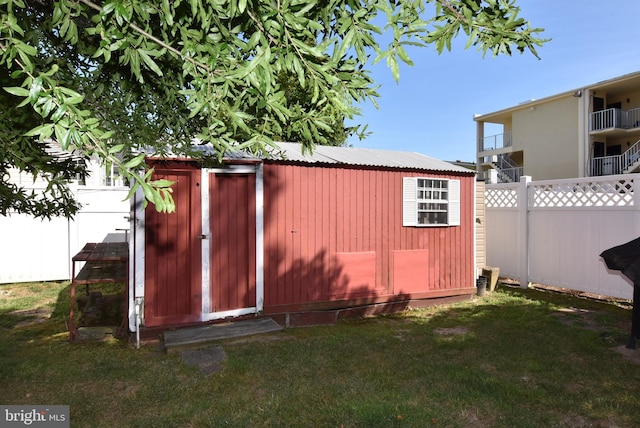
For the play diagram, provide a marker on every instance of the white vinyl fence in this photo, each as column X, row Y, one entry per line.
column 552, row 232
column 41, row 250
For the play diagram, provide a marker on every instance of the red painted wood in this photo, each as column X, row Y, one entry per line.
column 355, row 210
column 173, row 251
column 357, row 275
column 233, row 244
column 410, row 272
column 330, row 234
column 298, row 230
column 326, row 236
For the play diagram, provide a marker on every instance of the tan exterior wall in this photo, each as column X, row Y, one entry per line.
column 548, row 135
column 629, row 100
column 625, row 142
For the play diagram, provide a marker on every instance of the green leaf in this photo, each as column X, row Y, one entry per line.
column 132, row 190
column 76, row 99
column 135, row 162
column 17, row 91
column 403, row 55
column 36, row 88
column 108, row 7
column 46, row 105
column 63, row 136
column 148, row 192
column 27, row 49
column 59, row 113
column 116, row 149
column 44, row 131
column 392, row 62
column 105, row 135
column 149, row 62
column 158, row 201
column 166, row 13
column 162, row 183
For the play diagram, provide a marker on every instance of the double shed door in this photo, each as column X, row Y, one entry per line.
column 200, row 260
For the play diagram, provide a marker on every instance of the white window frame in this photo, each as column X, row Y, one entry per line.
column 410, row 202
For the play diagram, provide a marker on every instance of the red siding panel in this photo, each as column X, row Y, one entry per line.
column 355, row 275
column 173, row 252
column 335, row 215
column 410, row 272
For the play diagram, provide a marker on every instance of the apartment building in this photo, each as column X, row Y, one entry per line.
column 584, row 132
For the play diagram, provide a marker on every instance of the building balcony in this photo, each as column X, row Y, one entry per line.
column 625, row 163
column 496, row 142
column 614, row 121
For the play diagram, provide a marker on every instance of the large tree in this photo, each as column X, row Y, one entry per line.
column 117, row 78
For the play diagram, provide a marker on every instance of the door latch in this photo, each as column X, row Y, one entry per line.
column 202, row 236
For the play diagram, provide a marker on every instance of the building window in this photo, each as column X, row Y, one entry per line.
column 430, row 202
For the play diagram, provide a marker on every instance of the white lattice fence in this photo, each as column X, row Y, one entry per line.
column 552, row 232
column 504, row 196
column 588, row 192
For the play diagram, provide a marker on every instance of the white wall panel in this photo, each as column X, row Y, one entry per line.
column 41, row 250
column 503, row 241
column 577, row 221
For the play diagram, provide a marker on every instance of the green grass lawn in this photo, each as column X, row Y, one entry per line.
column 515, row 358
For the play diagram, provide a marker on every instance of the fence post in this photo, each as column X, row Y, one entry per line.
column 72, row 229
column 523, row 232
column 636, row 204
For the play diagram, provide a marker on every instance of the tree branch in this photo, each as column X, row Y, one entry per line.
column 452, row 9
column 153, row 38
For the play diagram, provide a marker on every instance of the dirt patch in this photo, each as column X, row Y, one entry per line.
column 208, row 360
column 632, row 355
column 126, row 389
column 625, row 303
column 451, row 331
column 475, row 417
column 402, row 334
column 578, row 317
column 33, row 316
column 586, row 319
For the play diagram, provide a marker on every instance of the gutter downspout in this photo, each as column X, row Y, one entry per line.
column 259, row 237
column 139, row 302
column 583, row 132
column 136, row 266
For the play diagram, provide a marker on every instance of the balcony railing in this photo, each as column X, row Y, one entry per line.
column 612, row 118
column 495, row 176
column 510, row 175
column 508, row 170
column 618, row 164
column 495, row 142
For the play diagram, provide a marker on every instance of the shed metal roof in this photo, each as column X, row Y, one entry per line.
column 357, row 156
column 350, row 156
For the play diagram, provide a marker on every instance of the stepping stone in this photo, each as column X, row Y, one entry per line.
column 209, row 360
column 203, row 336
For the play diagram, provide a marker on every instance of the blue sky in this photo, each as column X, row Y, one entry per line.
column 431, row 110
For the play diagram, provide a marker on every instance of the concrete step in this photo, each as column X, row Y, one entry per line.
column 203, row 336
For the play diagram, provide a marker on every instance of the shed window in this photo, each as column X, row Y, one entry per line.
column 430, row 202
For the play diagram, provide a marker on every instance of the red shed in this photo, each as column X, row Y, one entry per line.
column 292, row 233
